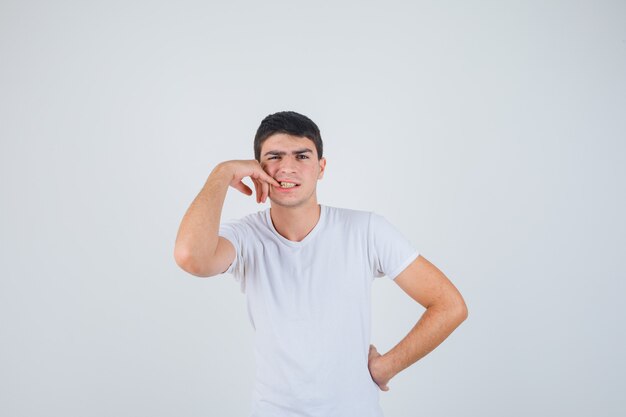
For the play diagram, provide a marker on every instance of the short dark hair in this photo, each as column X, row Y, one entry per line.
column 289, row 122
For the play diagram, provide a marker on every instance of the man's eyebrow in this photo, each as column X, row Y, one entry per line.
column 299, row 151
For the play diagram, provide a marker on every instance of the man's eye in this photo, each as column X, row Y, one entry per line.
column 272, row 157
column 304, row 156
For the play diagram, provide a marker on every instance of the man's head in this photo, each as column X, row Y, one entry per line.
column 291, row 123
column 288, row 146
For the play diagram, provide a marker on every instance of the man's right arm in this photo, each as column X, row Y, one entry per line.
column 199, row 249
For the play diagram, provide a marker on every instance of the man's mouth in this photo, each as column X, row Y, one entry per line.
column 285, row 184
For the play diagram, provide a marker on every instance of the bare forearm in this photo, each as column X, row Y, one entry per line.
column 198, row 232
column 435, row 325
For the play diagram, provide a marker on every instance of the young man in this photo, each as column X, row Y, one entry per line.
column 306, row 269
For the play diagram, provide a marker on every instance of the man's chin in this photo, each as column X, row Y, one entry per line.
column 278, row 202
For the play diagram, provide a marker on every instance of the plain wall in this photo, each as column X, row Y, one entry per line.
column 491, row 133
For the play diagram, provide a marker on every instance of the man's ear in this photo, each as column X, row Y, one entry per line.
column 322, row 168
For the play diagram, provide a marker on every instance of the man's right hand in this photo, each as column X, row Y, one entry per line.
column 249, row 168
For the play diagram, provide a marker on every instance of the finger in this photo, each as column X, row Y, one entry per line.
column 270, row 180
column 242, row 188
column 265, row 190
column 259, row 191
column 256, row 187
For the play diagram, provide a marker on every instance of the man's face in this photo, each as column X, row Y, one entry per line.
column 292, row 159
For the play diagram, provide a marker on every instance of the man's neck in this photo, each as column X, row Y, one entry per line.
column 295, row 223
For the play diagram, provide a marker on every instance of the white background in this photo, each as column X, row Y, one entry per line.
column 491, row 133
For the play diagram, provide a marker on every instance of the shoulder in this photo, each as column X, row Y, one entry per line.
column 347, row 216
column 254, row 217
column 247, row 222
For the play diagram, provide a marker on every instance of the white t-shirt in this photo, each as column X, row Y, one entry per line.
column 309, row 303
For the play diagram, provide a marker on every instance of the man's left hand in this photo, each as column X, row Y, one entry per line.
column 378, row 369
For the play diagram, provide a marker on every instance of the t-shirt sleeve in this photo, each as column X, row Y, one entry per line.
column 234, row 231
column 390, row 251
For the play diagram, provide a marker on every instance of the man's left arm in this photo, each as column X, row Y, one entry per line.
column 445, row 311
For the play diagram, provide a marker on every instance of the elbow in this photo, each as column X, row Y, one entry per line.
column 463, row 313
column 455, row 309
column 460, row 310
column 182, row 258
column 187, row 264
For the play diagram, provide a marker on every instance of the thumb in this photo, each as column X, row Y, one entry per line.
column 373, row 351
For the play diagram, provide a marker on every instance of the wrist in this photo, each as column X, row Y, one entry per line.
column 222, row 170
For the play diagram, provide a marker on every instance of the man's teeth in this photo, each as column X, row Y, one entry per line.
column 287, row 184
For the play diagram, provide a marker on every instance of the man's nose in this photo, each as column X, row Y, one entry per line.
column 287, row 165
